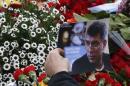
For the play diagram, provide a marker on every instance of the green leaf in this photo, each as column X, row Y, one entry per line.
column 102, row 15
column 46, row 80
column 112, row 74
column 125, row 33
column 101, row 82
column 90, row 17
column 79, row 18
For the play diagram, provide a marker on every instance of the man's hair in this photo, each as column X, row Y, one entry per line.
column 96, row 28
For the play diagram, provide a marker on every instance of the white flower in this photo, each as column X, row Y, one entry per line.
column 24, row 62
column 55, row 11
column 29, row 55
column 24, row 26
column 34, row 61
column 2, row 48
column 32, row 20
column 38, row 30
column 25, row 84
column 45, row 19
column 34, row 2
column 62, row 18
column 7, row 49
column 31, row 28
column 5, row 59
column 45, row 4
column 1, row 53
column 4, row 30
column 41, row 54
column 5, row 5
column 53, row 44
column 20, row 83
column 13, row 35
column 22, row 55
column 33, row 34
column 43, row 45
column 50, row 48
column 16, row 44
column 10, row 75
column 26, row 46
column 16, row 10
column 25, row 19
column 2, row 20
column 40, row 48
column 6, row 66
column 34, row 55
column 41, row 61
column 13, row 44
column 15, row 57
column 16, row 66
column 14, row 29
column 34, row 45
column 6, row 43
column 5, row 76
column 62, row 8
column 3, row 84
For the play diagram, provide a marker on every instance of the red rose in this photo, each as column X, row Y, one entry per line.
column 118, row 62
column 98, row 2
column 28, row 69
column 50, row 4
column 41, row 77
column 127, row 71
column 14, row 14
column 17, row 73
column 64, row 2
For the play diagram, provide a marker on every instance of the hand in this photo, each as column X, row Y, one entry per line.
column 55, row 62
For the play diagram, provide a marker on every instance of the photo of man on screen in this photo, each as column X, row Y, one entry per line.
column 95, row 42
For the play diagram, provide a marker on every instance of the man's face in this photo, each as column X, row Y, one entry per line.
column 95, row 46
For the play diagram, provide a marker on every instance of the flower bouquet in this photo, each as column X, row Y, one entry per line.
column 27, row 34
column 30, row 73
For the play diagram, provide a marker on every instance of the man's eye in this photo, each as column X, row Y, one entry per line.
column 87, row 42
column 95, row 43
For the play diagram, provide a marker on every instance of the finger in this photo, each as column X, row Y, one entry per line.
column 60, row 51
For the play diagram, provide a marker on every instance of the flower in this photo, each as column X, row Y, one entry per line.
column 17, row 73
column 42, row 76
column 28, row 69
column 102, row 79
column 68, row 7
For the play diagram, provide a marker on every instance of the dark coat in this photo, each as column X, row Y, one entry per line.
column 62, row 79
column 83, row 65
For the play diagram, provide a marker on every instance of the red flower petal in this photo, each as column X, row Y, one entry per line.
column 41, row 77
column 28, row 69
column 17, row 73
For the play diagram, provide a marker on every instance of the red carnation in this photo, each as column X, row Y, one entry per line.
column 127, row 71
column 16, row 5
column 17, row 74
column 29, row 69
column 51, row 4
column 42, row 76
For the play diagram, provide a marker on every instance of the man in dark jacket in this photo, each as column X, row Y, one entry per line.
column 95, row 43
